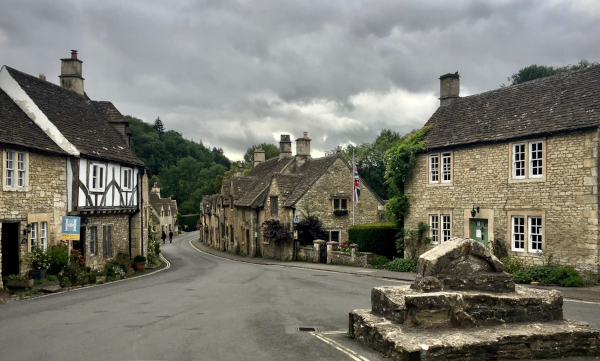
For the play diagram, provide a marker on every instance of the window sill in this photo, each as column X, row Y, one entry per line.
column 527, row 180
column 440, row 184
column 518, row 250
column 16, row 189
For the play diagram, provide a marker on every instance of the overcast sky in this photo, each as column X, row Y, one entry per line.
column 237, row 73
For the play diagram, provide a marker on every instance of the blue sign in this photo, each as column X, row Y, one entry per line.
column 70, row 228
column 296, row 220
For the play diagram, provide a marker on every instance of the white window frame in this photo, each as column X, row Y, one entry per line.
column 21, row 169
column 434, row 168
column 539, row 232
column 446, row 221
column 446, row 167
column 126, row 181
column 10, row 169
column 33, row 236
column 100, row 177
column 44, row 235
column 434, row 228
column 521, row 161
column 532, row 159
column 515, row 234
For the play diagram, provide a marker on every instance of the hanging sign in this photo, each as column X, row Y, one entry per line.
column 296, row 220
column 70, row 228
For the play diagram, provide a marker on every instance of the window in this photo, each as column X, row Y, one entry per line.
column 15, row 170
column 10, row 169
column 434, row 228
column 21, row 170
column 518, row 234
column 127, row 182
column 93, row 240
column 445, row 227
column 44, row 235
column 535, row 234
column 334, row 236
column 33, row 235
column 107, row 251
column 98, row 173
column 434, row 168
column 446, row 168
column 527, row 160
column 274, row 206
column 340, row 203
column 519, row 161
column 535, row 159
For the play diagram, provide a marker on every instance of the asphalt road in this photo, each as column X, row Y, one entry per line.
column 202, row 308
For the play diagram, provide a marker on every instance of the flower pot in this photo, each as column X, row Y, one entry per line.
column 38, row 274
column 19, row 283
column 140, row 266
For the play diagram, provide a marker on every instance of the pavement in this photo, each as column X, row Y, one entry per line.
column 591, row 293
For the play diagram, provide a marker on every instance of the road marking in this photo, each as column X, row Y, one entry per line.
column 353, row 355
column 103, row 284
column 582, row 301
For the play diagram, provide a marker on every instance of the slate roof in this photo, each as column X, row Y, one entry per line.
column 261, row 174
column 77, row 118
column 564, row 102
column 226, row 187
column 111, row 113
column 19, row 130
column 156, row 201
column 311, row 171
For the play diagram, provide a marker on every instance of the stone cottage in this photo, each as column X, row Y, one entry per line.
column 63, row 155
column 284, row 188
column 164, row 212
column 518, row 165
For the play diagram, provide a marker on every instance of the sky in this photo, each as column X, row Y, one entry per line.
column 237, row 73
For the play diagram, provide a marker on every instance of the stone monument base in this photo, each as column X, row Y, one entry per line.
column 508, row 341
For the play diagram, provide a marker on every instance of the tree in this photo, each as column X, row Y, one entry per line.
column 229, row 174
column 158, row 125
column 310, row 229
column 271, row 151
column 539, row 71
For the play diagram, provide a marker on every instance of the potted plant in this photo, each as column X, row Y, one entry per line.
column 18, row 281
column 39, row 261
column 140, row 262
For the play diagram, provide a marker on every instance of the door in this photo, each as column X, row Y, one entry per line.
column 80, row 245
column 10, row 249
column 248, row 242
column 479, row 230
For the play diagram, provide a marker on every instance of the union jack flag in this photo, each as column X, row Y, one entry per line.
column 356, row 185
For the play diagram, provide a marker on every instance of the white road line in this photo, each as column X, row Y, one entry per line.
column 582, row 301
column 353, row 355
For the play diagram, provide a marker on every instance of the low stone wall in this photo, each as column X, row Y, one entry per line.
column 345, row 258
column 308, row 254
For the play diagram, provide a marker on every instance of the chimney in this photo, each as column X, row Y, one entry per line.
column 239, row 172
column 302, row 149
column 155, row 189
column 42, row 77
column 449, row 88
column 259, row 156
column 70, row 73
column 285, row 146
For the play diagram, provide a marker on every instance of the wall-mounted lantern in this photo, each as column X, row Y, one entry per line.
column 474, row 211
column 28, row 230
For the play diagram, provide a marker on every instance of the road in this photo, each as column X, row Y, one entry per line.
column 201, row 308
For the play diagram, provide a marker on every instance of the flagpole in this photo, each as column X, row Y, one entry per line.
column 353, row 185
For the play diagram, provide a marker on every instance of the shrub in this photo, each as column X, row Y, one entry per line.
column 565, row 276
column 379, row 238
column 379, row 261
column 413, row 241
column 276, row 231
column 309, row 230
column 403, row 265
column 499, row 248
column 139, row 259
column 512, row 264
column 52, row 278
column 58, row 257
column 569, row 277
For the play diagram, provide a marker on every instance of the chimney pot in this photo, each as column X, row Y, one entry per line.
column 73, row 54
column 285, row 146
column 303, row 147
column 305, row 135
column 42, row 76
column 449, row 88
column 71, row 73
column 259, row 156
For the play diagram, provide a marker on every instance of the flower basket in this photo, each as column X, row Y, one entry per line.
column 340, row 212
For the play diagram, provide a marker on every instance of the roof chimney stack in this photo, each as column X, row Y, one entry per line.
column 302, row 149
column 71, row 73
column 155, row 188
column 42, row 77
column 259, row 156
column 449, row 88
column 285, row 146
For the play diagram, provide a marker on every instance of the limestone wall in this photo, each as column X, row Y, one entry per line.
column 307, row 254
column 119, row 237
column 345, row 258
column 566, row 198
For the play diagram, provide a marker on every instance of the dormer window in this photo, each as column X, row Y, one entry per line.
column 126, row 179
column 97, row 177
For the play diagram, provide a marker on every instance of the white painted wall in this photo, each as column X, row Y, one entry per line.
column 113, row 177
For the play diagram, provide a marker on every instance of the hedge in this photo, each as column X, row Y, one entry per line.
column 565, row 276
column 403, row 265
column 379, row 238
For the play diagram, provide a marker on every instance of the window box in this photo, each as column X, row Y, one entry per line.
column 19, row 283
column 340, row 212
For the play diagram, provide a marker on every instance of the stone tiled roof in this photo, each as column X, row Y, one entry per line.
column 261, row 174
column 311, row 171
column 77, row 118
column 559, row 103
column 156, row 202
column 17, row 129
column 111, row 113
column 226, row 187
column 241, row 186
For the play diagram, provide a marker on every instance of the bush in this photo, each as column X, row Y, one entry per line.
column 58, row 257
column 379, row 238
column 499, row 248
column 379, row 261
column 139, row 259
column 565, row 276
column 569, row 277
column 403, row 265
column 52, row 278
column 512, row 264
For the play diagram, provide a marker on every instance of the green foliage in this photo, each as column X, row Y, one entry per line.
column 37, row 259
column 158, row 125
column 139, row 259
column 565, row 276
column 512, row 264
column 271, row 151
column 403, row 265
column 379, row 262
column 499, row 248
column 24, row 277
column 52, row 278
column 59, row 258
column 539, row 71
column 229, row 174
column 310, row 229
column 413, row 241
column 379, row 238
column 276, row 231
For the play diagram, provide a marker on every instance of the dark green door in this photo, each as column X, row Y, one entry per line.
column 479, row 230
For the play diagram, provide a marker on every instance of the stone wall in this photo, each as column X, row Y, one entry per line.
column 267, row 247
column 44, row 199
column 360, row 259
column 308, row 254
column 119, row 237
column 566, row 199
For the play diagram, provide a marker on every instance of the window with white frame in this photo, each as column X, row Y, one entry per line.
column 446, row 167
column 535, row 234
column 20, row 170
column 445, row 227
column 93, row 240
column 44, row 235
column 535, row 159
column 434, row 165
column 98, row 173
column 434, row 228
column 15, row 169
column 127, row 182
column 33, row 235
column 518, row 161
column 518, row 234
column 10, row 169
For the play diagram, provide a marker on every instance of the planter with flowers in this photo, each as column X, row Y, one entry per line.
column 140, row 262
column 39, row 261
